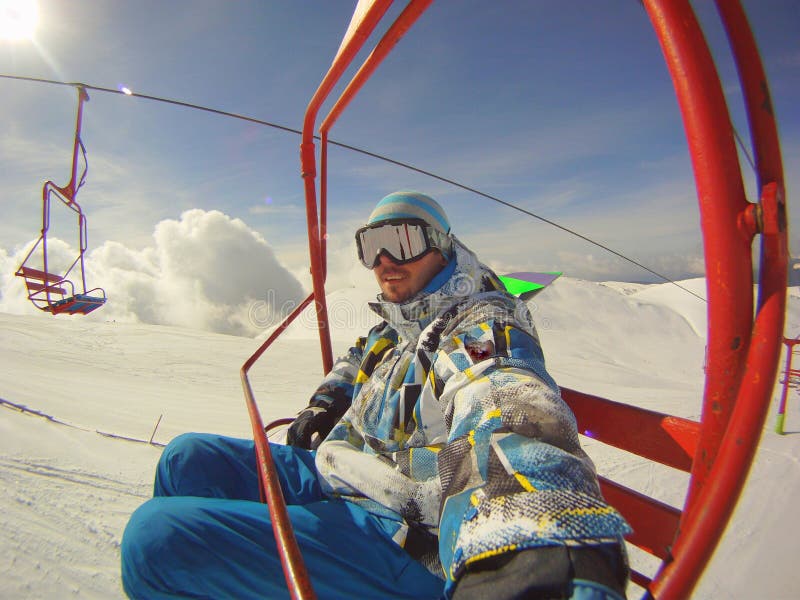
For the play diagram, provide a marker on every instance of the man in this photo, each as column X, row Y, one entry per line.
column 448, row 463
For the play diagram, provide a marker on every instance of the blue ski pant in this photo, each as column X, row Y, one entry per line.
column 205, row 534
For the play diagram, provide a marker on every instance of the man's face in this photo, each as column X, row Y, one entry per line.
column 402, row 282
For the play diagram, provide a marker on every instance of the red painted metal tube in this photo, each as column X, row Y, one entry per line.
column 308, row 167
column 706, row 520
column 323, row 204
column 294, row 569
column 722, row 200
column 654, row 523
column 742, row 361
column 761, row 114
column 639, row 579
column 398, row 29
column 45, row 228
column 666, row 439
column 70, row 189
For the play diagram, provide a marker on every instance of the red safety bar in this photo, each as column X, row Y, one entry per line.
column 743, row 350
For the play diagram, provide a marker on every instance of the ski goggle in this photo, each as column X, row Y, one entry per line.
column 404, row 240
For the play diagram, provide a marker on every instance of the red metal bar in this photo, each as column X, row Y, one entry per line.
column 722, row 201
column 291, row 559
column 742, row 361
column 669, row 440
column 308, row 166
column 398, row 29
column 706, row 521
column 294, row 569
column 323, row 204
column 71, row 188
column 45, row 227
column 654, row 523
column 639, row 579
column 761, row 115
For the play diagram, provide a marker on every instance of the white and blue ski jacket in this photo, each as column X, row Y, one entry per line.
column 456, row 431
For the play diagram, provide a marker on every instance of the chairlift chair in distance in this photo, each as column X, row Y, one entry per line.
column 55, row 292
column 744, row 341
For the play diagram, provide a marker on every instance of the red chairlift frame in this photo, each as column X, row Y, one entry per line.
column 43, row 286
column 743, row 350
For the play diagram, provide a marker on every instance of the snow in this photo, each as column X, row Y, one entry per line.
column 67, row 490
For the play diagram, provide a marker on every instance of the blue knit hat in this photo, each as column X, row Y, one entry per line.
column 411, row 205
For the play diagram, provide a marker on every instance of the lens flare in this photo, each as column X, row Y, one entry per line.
column 18, row 19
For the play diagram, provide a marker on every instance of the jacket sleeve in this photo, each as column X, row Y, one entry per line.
column 512, row 471
column 335, row 393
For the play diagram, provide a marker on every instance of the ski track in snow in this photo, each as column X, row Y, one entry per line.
column 89, row 480
column 56, row 517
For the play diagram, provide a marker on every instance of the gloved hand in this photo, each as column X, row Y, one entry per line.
column 545, row 573
column 311, row 420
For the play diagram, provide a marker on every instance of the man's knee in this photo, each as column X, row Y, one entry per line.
column 145, row 549
column 204, row 464
column 186, row 445
column 173, row 459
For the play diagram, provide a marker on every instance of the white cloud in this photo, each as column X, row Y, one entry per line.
column 204, row 270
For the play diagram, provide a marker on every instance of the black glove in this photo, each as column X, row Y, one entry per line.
column 324, row 410
column 311, row 420
column 543, row 573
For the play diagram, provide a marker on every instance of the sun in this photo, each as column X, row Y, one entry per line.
column 18, row 19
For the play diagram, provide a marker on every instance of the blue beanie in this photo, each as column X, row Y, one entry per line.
column 411, row 205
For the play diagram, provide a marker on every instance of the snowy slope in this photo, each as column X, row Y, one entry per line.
column 67, row 491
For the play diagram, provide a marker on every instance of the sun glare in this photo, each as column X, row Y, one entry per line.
column 18, row 19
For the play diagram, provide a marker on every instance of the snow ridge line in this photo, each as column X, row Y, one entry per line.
column 32, row 411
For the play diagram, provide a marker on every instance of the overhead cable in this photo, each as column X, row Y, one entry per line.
column 224, row 113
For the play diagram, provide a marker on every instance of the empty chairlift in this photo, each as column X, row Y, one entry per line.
column 53, row 290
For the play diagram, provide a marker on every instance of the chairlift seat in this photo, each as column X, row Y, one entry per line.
column 78, row 304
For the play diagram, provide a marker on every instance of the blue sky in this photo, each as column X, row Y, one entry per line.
column 565, row 109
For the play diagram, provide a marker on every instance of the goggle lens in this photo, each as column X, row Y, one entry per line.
column 403, row 242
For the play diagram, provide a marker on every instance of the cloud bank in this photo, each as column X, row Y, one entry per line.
column 209, row 271
column 205, row 270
